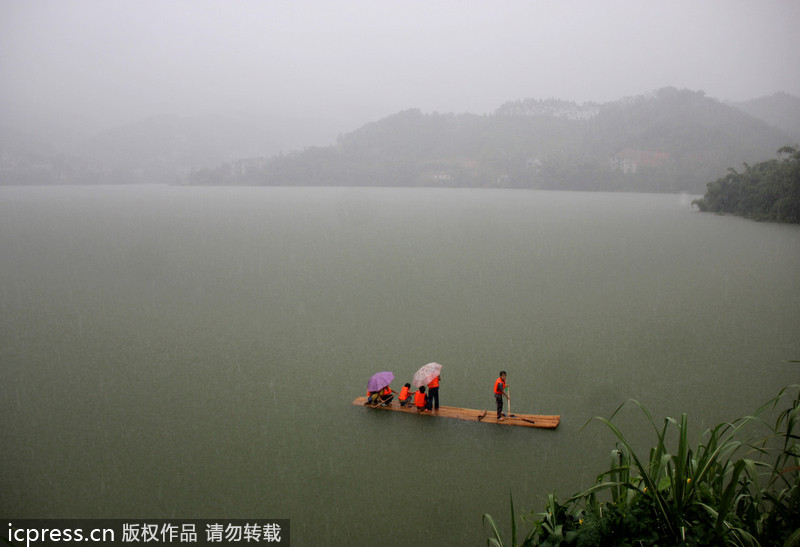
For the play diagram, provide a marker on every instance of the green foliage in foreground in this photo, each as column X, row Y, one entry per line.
column 769, row 190
column 728, row 490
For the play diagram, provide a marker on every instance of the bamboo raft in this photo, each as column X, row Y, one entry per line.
column 471, row 415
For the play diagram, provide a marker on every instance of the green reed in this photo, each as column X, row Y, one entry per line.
column 734, row 487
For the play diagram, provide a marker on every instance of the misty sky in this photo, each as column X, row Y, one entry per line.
column 98, row 63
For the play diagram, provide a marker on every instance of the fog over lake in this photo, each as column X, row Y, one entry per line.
column 172, row 352
column 311, row 70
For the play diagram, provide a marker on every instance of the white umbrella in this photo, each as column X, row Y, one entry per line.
column 426, row 374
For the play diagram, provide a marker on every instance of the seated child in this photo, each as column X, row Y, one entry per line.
column 386, row 395
column 421, row 400
column 405, row 395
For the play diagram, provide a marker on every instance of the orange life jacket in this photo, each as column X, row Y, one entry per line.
column 403, row 393
column 419, row 399
column 497, row 383
column 386, row 391
column 434, row 382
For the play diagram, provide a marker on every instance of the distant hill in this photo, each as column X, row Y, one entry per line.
column 159, row 149
column 19, row 143
column 667, row 141
column 780, row 110
column 162, row 148
column 28, row 159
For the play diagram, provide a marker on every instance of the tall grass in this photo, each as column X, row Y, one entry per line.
column 737, row 486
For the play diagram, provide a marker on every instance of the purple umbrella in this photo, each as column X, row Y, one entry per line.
column 379, row 381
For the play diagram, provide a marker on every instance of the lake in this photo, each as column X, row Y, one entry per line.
column 181, row 352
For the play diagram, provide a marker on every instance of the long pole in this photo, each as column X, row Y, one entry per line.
column 508, row 389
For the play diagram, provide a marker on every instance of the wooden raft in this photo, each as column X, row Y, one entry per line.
column 471, row 415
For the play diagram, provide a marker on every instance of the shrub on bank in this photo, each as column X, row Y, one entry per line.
column 733, row 488
column 768, row 191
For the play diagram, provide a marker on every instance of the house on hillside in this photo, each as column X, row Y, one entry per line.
column 631, row 160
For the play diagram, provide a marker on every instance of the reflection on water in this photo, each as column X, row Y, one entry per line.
column 193, row 352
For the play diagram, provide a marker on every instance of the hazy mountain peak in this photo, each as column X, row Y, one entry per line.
column 780, row 110
column 549, row 107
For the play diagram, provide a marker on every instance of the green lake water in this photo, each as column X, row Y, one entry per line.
column 171, row 352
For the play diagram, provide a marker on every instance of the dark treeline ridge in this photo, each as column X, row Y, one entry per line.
column 768, row 191
column 668, row 141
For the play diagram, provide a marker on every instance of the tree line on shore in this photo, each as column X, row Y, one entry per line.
column 768, row 191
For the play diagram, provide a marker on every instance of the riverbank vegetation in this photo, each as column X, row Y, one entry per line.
column 740, row 485
column 768, row 191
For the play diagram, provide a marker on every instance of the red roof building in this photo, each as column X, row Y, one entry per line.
column 630, row 160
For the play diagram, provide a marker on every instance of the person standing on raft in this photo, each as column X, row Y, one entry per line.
column 433, row 393
column 500, row 392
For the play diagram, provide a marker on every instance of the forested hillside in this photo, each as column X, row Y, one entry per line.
column 668, row 141
column 768, row 190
